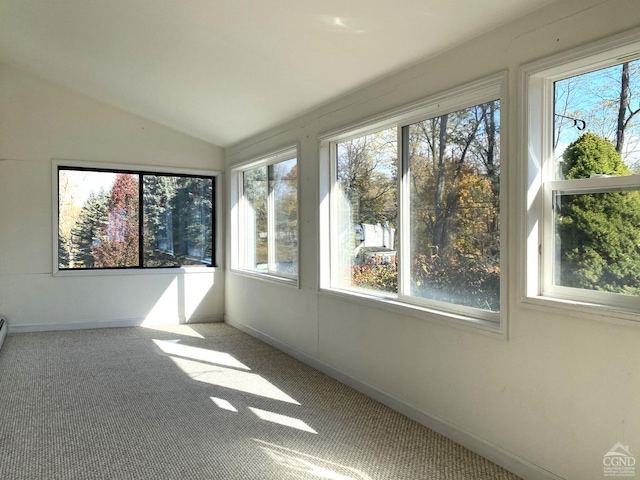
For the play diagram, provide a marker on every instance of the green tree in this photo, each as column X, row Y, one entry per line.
column 192, row 219
column 87, row 231
column 598, row 233
column 159, row 191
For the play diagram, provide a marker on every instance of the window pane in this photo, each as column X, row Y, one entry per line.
column 597, row 241
column 178, row 220
column 255, row 189
column 454, row 163
column 284, row 187
column 604, row 103
column 97, row 219
column 367, row 212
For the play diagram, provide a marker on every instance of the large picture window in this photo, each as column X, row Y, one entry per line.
column 584, row 183
column 265, row 218
column 118, row 219
column 414, row 206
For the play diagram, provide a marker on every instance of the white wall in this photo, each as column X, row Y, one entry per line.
column 550, row 400
column 40, row 121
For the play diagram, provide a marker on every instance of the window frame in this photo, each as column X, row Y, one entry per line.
column 538, row 182
column 60, row 164
column 490, row 88
column 237, row 217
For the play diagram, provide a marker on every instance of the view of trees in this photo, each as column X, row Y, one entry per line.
column 279, row 182
column 453, row 180
column 598, row 234
column 367, row 176
column 103, row 230
column 178, row 220
column 367, row 169
column 454, row 186
column 284, row 185
column 454, row 165
column 605, row 102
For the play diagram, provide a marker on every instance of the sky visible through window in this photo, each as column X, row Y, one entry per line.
column 591, row 102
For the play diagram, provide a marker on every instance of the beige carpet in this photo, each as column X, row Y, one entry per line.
column 200, row 402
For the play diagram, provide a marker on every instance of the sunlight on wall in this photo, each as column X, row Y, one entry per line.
column 195, row 288
column 181, row 299
column 166, row 308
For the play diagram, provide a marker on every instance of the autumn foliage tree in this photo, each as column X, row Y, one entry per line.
column 117, row 244
column 455, row 171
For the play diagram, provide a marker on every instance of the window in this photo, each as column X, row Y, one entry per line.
column 366, row 196
column 118, row 219
column 413, row 217
column 265, row 218
column 583, row 201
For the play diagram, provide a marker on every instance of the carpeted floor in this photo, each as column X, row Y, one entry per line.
column 200, row 402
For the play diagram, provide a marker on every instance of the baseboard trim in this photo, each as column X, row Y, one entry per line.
column 129, row 322
column 494, row 453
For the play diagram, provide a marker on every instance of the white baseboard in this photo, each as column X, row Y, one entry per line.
column 492, row 452
column 129, row 322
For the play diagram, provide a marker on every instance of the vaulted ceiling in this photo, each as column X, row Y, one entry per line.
column 224, row 70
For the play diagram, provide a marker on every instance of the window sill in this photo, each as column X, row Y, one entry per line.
column 476, row 325
column 195, row 269
column 268, row 277
column 582, row 310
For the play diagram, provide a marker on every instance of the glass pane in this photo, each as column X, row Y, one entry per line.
column 97, row 219
column 602, row 104
column 284, row 188
column 178, row 220
column 597, row 241
column 454, row 163
column 255, row 189
column 367, row 212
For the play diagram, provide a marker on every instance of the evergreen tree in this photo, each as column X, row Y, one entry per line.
column 86, row 233
column 159, row 192
column 192, row 218
column 598, row 233
column 64, row 255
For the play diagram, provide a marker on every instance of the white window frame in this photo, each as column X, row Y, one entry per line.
column 218, row 255
column 238, row 210
column 538, row 182
column 475, row 93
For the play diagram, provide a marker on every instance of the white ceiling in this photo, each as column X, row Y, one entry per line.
column 224, row 70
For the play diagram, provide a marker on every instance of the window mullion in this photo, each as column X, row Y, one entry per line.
column 333, row 216
column 140, row 220
column 404, row 243
column 271, row 224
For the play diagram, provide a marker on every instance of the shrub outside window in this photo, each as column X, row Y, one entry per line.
column 414, row 215
column 119, row 219
column 584, row 183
